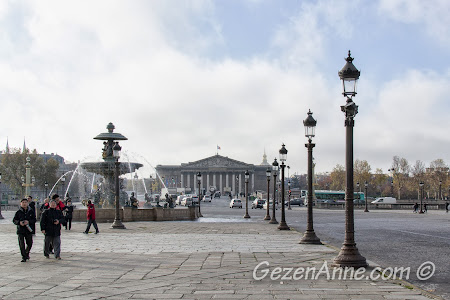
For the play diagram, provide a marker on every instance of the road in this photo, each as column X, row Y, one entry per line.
column 388, row 238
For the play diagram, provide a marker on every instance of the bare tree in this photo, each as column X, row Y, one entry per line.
column 436, row 174
column 338, row 178
column 418, row 173
column 400, row 172
column 361, row 171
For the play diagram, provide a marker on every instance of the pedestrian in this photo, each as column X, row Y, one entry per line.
column 25, row 219
column 59, row 204
column 44, row 205
column 51, row 221
column 68, row 211
column 32, row 205
column 425, row 209
column 91, row 218
column 416, row 207
column 446, row 207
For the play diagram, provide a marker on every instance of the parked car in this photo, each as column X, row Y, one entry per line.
column 179, row 199
column 270, row 204
column 206, row 198
column 258, row 203
column 382, row 200
column 296, row 201
column 195, row 199
column 186, row 201
column 217, row 195
column 236, row 203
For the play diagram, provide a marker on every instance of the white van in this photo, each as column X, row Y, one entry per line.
column 382, row 200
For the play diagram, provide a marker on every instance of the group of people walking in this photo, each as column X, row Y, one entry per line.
column 416, row 208
column 54, row 214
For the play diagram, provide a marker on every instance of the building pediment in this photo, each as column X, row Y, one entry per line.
column 216, row 161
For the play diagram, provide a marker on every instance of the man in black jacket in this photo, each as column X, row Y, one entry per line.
column 32, row 205
column 51, row 221
column 25, row 218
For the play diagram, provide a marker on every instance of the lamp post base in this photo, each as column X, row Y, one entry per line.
column 349, row 257
column 283, row 226
column 117, row 224
column 247, row 216
column 273, row 221
column 366, row 210
column 267, row 217
column 309, row 237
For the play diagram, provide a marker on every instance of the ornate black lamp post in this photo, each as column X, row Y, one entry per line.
column 275, row 172
column 440, row 190
column 309, row 236
column 421, row 184
column 247, row 176
column 358, row 187
column 199, row 181
column 349, row 255
column 1, row 217
column 392, row 188
column 283, row 157
column 46, row 188
column 289, row 189
column 117, row 224
column 268, row 174
column 366, row 185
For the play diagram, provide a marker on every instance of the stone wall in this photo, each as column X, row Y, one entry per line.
column 128, row 214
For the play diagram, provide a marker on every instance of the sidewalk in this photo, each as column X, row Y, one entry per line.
column 177, row 260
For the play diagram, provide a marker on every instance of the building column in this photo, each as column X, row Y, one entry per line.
column 182, row 180
column 253, row 182
column 188, row 180
column 201, row 185
column 240, row 178
column 221, row 185
column 226, row 180
column 233, row 184
column 214, row 180
column 207, row 181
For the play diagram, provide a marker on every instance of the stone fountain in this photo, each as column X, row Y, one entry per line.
column 106, row 168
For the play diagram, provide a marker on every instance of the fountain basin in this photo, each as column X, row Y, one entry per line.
column 128, row 214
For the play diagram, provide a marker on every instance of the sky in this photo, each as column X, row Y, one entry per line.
column 179, row 77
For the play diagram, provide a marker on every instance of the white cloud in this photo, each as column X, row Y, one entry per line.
column 431, row 15
column 140, row 66
column 305, row 38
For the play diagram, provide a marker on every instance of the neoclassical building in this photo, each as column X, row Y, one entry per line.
column 222, row 173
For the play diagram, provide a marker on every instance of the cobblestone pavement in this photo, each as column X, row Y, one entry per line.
column 177, row 260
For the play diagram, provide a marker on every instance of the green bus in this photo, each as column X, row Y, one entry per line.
column 322, row 196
